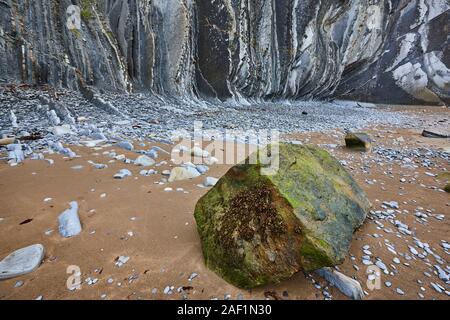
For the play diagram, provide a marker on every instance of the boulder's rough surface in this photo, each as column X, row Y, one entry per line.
column 372, row 50
column 257, row 229
column 183, row 173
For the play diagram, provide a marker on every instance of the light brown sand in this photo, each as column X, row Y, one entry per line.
column 165, row 248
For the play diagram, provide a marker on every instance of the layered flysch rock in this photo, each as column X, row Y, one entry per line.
column 372, row 50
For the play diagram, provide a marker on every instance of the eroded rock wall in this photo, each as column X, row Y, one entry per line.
column 370, row 50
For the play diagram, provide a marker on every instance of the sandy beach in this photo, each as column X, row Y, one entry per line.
column 139, row 218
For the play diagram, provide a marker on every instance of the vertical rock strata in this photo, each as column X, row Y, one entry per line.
column 247, row 50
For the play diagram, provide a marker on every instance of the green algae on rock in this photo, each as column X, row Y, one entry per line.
column 257, row 229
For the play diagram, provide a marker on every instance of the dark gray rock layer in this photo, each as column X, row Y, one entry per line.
column 249, row 50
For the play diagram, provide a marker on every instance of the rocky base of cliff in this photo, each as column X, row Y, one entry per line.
column 140, row 116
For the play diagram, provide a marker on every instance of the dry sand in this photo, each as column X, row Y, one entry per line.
column 165, row 250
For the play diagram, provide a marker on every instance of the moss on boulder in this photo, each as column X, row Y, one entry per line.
column 258, row 229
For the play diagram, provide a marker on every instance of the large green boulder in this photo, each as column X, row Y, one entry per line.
column 257, row 229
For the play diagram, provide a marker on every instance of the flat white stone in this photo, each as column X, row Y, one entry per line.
column 62, row 130
column 210, row 182
column 199, row 152
column 348, row 286
column 69, row 222
column 183, row 173
column 122, row 174
column 21, row 262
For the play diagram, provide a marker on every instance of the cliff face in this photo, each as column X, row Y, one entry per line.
column 371, row 50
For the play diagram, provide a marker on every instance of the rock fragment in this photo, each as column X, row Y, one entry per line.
column 6, row 141
column 69, row 221
column 358, row 141
column 125, row 145
column 305, row 214
column 348, row 286
column 122, row 174
column 144, row 161
column 210, row 182
column 183, row 173
column 121, row 260
column 433, row 134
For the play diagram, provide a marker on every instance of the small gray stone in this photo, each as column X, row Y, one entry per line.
column 122, row 174
column 144, row 161
column 202, row 168
column 22, row 261
column 400, row 291
column 348, row 286
column 69, row 221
